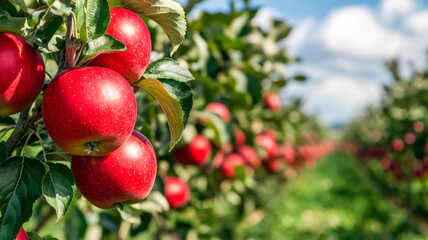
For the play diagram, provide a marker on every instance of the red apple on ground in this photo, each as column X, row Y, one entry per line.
column 240, row 137
column 127, row 27
column 250, row 155
column 195, row 153
column 272, row 101
column 22, row 74
column 267, row 141
column 89, row 110
column 125, row 176
column 219, row 109
column 397, row 145
column 230, row 162
column 22, row 235
column 176, row 192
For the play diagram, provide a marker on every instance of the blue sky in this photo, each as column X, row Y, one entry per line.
column 293, row 9
column 344, row 45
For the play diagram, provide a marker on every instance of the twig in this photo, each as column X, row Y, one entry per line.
column 25, row 122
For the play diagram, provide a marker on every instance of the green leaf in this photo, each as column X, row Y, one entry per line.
column 75, row 224
column 21, row 4
column 176, row 100
column 35, row 236
column 3, row 152
column 59, row 8
column 183, row 93
column 54, row 45
column 301, row 78
column 8, row 7
column 168, row 68
column 103, row 44
column 155, row 203
column 167, row 13
column 57, row 186
column 11, row 24
column 215, row 122
column 97, row 18
column 146, row 130
column 92, row 18
column 20, row 187
column 47, row 27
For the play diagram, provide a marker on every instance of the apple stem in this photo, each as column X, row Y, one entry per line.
column 120, row 205
column 71, row 43
column 92, row 147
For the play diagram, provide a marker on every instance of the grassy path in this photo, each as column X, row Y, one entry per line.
column 335, row 200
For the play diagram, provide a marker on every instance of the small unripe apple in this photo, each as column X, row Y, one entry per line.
column 240, row 137
column 176, row 192
column 125, row 176
column 250, row 155
column 219, row 109
column 397, row 145
column 267, row 141
column 89, row 110
column 127, row 27
column 22, row 74
column 230, row 162
column 272, row 101
column 22, row 235
column 195, row 153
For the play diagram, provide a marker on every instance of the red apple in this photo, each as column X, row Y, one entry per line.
column 89, row 110
column 274, row 164
column 125, row 176
column 218, row 159
column 127, row 27
column 22, row 74
column 220, row 110
column 272, row 101
column 267, row 141
column 176, row 192
column 22, row 235
column 409, row 138
column 418, row 126
column 240, row 137
column 195, row 153
column 230, row 162
column 397, row 145
column 250, row 155
column 289, row 153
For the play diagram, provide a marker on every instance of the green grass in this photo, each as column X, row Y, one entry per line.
column 334, row 200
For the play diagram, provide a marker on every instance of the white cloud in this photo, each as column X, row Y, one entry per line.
column 264, row 15
column 355, row 31
column 417, row 23
column 393, row 9
column 344, row 56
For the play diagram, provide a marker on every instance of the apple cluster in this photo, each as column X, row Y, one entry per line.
column 90, row 111
column 268, row 151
